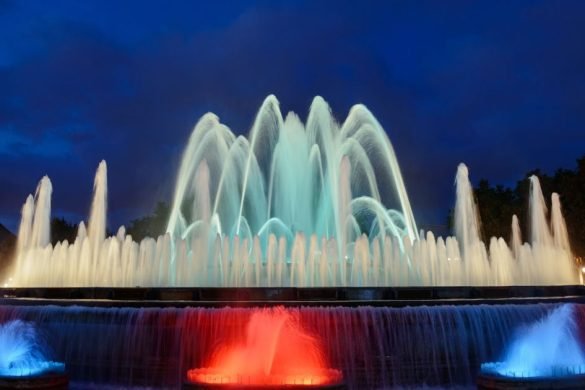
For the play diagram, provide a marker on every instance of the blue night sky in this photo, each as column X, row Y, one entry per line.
column 499, row 85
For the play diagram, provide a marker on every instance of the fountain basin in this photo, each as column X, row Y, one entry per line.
column 56, row 379
column 494, row 376
column 202, row 378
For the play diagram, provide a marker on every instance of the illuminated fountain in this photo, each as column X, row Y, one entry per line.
column 23, row 361
column 319, row 204
column 276, row 352
column 546, row 354
column 315, row 205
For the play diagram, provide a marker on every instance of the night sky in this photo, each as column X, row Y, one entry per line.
column 499, row 85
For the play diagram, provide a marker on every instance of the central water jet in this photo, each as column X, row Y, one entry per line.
column 276, row 352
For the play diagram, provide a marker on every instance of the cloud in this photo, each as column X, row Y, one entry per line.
column 494, row 84
column 16, row 144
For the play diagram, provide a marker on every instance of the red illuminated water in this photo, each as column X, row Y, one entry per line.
column 276, row 351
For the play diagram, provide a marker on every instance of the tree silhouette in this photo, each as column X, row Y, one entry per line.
column 62, row 230
column 152, row 225
column 497, row 204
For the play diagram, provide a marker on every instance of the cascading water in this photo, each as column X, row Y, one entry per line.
column 292, row 205
column 375, row 348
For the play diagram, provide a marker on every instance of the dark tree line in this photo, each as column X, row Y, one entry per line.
column 7, row 249
column 497, row 203
column 62, row 230
column 152, row 225
column 149, row 226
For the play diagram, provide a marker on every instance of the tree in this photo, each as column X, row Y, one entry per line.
column 152, row 225
column 497, row 204
column 496, row 207
column 7, row 250
column 62, row 230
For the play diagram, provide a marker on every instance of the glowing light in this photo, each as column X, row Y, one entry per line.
column 276, row 352
column 21, row 352
column 547, row 348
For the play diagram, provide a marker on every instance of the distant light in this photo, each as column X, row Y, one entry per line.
column 583, row 269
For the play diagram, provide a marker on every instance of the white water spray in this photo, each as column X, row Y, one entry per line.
column 293, row 205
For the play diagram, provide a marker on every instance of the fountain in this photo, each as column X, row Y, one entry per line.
column 546, row 354
column 315, row 205
column 374, row 347
column 277, row 353
column 23, row 362
column 314, row 217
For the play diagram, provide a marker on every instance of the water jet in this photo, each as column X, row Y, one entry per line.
column 23, row 363
column 546, row 354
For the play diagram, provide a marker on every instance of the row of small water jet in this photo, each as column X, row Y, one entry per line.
column 312, row 232
column 545, row 259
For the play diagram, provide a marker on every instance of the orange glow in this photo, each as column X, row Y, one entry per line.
column 276, row 352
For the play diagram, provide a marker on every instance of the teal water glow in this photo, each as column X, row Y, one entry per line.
column 318, row 178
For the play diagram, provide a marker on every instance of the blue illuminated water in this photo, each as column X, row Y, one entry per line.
column 22, row 352
column 548, row 347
